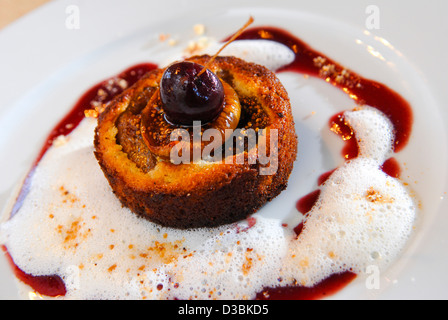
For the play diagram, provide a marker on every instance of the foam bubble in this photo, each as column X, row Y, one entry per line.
column 374, row 133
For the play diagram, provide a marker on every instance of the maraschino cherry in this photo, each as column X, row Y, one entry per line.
column 190, row 94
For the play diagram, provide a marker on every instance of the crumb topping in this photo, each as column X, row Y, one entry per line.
column 331, row 72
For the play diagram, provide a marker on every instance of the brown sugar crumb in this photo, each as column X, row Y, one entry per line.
column 319, row 61
column 199, row 29
column 247, row 265
column 73, row 234
column 91, row 113
column 112, row 267
column 60, row 140
column 166, row 37
column 165, row 251
column 304, row 263
column 249, row 260
column 344, row 134
column 109, row 89
column 68, row 197
column 375, row 196
column 197, row 45
column 63, row 190
column 163, row 37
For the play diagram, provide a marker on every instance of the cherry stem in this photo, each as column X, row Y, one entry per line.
column 236, row 35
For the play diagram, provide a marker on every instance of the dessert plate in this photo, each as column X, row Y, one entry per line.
column 66, row 50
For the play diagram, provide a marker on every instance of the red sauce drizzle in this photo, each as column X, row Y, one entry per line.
column 363, row 91
column 306, row 203
column 324, row 177
column 339, row 126
column 392, row 168
column 323, row 289
column 51, row 286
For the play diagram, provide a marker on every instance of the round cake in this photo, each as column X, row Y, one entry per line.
column 134, row 147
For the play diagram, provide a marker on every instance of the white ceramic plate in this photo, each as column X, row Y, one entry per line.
column 46, row 66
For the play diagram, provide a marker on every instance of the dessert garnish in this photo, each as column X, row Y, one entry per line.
column 190, row 92
column 219, row 110
column 187, row 95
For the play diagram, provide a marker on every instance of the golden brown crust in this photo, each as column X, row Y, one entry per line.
column 204, row 194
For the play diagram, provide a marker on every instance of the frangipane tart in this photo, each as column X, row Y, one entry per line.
column 133, row 145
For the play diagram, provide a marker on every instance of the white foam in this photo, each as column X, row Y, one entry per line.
column 374, row 133
column 363, row 216
column 270, row 54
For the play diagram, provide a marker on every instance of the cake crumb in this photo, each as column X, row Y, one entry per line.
column 196, row 46
column 163, row 37
column 319, row 61
column 172, row 42
column 91, row 113
column 60, row 141
column 199, row 29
